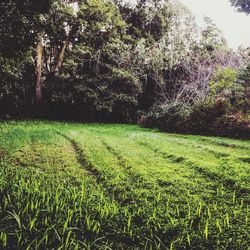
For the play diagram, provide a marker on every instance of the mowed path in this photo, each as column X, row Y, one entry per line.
column 163, row 190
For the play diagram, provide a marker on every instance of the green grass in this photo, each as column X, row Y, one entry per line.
column 74, row 186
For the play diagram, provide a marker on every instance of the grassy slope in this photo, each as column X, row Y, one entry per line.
column 117, row 186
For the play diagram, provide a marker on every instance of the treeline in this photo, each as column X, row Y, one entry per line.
column 118, row 61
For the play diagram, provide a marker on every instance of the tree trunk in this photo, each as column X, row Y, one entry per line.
column 39, row 62
column 61, row 56
column 65, row 46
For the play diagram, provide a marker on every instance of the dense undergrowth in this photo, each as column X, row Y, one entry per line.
column 73, row 186
column 206, row 118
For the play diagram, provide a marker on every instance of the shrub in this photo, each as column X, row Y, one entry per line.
column 223, row 82
column 206, row 118
column 234, row 125
column 168, row 117
column 203, row 117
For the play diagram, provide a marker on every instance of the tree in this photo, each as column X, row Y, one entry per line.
column 244, row 81
column 242, row 5
column 212, row 37
column 16, row 42
column 107, row 58
column 54, row 32
column 223, row 83
column 96, row 82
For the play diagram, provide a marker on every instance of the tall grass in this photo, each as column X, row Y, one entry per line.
column 73, row 186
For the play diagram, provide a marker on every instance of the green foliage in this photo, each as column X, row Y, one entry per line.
column 204, row 115
column 212, row 37
column 74, row 186
column 108, row 61
column 89, row 97
column 243, row 80
column 102, row 23
column 223, row 82
column 209, row 117
column 169, row 117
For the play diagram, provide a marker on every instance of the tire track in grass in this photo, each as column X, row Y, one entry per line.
column 114, row 192
column 121, row 161
column 172, row 158
column 218, row 154
column 134, row 181
column 131, row 199
column 216, row 178
column 244, row 159
column 215, row 153
column 180, row 160
column 224, row 144
column 81, row 158
column 129, row 186
column 212, row 140
column 158, row 184
column 132, row 176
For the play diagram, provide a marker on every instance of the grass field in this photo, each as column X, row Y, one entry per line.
column 74, row 186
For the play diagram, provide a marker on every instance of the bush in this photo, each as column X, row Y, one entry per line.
column 168, row 117
column 234, row 125
column 218, row 118
column 203, row 117
column 206, row 118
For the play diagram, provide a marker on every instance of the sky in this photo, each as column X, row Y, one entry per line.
column 234, row 25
